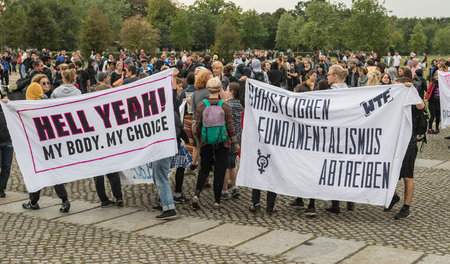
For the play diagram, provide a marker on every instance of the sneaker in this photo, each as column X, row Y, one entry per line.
column 157, row 206
column 350, row 206
column 310, row 211
column 119, row 203
column 65, row 207
column 254, row 208
column 334, row 210
column 2, row 193
column 437, row 131
column 166, row 215
column 297, row 203
column 107, row 203
column 182, row 199
column 235, row 193
column 217, row 205
column 225, row 196
column 431, row 131
column 395, row 200
column 195, row 202
column 270, row 211
column 403, row 213
column 30, row 206
column 447, row 137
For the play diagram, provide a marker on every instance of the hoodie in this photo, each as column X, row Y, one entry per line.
column 65, row 90
column 256, row 67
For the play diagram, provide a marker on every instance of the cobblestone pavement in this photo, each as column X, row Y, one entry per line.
column 426, row 230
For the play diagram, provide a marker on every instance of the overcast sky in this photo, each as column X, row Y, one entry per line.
column 399, row 8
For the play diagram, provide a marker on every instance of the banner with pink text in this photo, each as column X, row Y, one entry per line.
column 67, row 139
column 444, row 94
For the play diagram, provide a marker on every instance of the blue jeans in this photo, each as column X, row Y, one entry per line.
column 161, row 170
column 6, row 156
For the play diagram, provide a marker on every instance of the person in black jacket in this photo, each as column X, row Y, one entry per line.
column 6, row 149
column 275, row 74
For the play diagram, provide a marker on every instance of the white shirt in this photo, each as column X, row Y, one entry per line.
column 397, row 60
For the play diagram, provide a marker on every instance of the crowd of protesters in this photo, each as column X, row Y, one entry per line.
column 206, row 79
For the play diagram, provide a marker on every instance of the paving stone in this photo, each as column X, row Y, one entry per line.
column 445, row 166
column 324, row 250
column 427, row 163
column 274, row 242
column 383, row 255
column 13, row 197
column 52, row 212
column 435, row 259
column 180, row 228
column 132, row 222
column 97, row 215
column 16, row 207
column 228, row 235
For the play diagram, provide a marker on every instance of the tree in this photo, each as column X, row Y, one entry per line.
column 253, row 32
column 95, row 33
column 205, row 23
column 40, row 28
column 137, row 7
column 397, row 40
column 369, row 26
column 12, row 24
column 418, row 40
column 137, row 33
column 442, row 40
column 159, row 14
column 285, row 37
column 115, row 9
column 181, row 31
column 227, row 39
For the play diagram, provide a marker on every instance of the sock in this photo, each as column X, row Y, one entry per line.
column 406, row 207
column 177, row 195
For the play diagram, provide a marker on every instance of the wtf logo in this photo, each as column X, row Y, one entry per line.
column 262, row 161
column 377, row 102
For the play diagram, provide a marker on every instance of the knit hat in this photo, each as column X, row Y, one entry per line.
column 34, row 91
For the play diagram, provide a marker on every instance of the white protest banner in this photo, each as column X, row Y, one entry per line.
column 62, row 140
column 140, row 174
column 444, row 97
column 345, row 144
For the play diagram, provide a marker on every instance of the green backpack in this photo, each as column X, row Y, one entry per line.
column 214, row 130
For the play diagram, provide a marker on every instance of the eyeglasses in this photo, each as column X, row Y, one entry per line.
column 45, row 83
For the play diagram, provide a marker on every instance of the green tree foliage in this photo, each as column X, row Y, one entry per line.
column 317, row 32
column 228, row 39
column 12, row 24
column 270, row 23
column 181, row 30
column 368, row 28
column 137, row 33
column 67, row 15
column 253, row 32
column 204, row 22
column 159, row 14
column 441, row 40
column 137, row 7
column 285, row 37
column 115, row 9
column 396, row 40
column 39, row 28
column 418, row 40
column 95, row 33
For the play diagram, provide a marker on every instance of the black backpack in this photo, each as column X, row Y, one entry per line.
column 23, row 83
column 259, row 76
column 421, row 126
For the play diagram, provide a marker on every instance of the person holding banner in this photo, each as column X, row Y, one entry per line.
column 407, row 169
column 6, row 153
column 213, row 151
column 434, row 105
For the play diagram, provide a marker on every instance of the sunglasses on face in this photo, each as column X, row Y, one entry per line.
column 45, row 83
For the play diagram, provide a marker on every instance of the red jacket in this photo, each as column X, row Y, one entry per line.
column 430, row 89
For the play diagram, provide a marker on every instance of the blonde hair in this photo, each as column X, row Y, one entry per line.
column 63, row 67
column 214, row 83
column 202, row 78
column 68, row 76
column 339, row 71
column 373, row 78
column 38, row 77
column 217, row 64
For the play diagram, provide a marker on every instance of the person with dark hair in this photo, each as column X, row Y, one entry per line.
column 82, row 78
column 292, row 76
column 434, row 105
column 6, row 151
column 91, row 71
column 236, row 111
column 381, row 67
column 47, row 71
column 420, row 83
column 386, row 79
column 323, row 85
column 131, row 74
column 362, row 76
column 274, row 74
column 407, row 74
column 207, row 62
column 228, row 72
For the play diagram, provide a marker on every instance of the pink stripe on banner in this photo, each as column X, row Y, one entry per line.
column 82, row 100
column 117, row 154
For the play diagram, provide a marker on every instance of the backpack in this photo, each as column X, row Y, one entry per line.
column 23, row 83
column 421, row 121
column 214, row 130
column 259, row 76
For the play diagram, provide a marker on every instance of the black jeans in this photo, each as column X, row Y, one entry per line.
column 5, row 78
column 271, row 196
column 435, row 113
column 213, row 155
column 59, row 189
column 6, row 156
column 114, row 182
column 179, row 178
